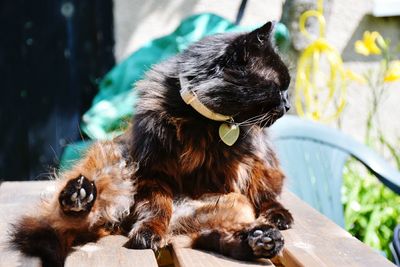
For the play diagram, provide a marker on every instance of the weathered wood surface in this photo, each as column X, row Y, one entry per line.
column 317, row 241
column 313, row 241
column 108, row 252
column 16, row 198
column 185, row 257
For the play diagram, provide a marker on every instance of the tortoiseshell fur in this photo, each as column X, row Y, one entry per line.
column 224, row 223
column 179, row 151
column 170, row 174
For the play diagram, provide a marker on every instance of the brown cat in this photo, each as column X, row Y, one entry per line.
column 234, row 79
column 175, row 150
column 95, row 196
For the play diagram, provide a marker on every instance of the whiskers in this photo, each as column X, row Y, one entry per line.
column 273, row 115
column 253, row 120
column 261, row 120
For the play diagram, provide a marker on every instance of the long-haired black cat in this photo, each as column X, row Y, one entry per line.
column 197, row 137
column 239, row 78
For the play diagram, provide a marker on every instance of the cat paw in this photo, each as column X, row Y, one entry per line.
column 144, row 238
column 78, row 196
column 265, row 241
column 280, row 217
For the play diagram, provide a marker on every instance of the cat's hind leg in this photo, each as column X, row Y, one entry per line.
column 94, row 194
column 249, row 243
column 225, row 224
column 78, row 196
column 58, row 224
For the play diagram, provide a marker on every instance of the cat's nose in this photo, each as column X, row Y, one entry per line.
column 285, row 100
column 287, row 107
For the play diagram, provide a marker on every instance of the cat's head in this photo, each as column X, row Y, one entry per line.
column 239, row 75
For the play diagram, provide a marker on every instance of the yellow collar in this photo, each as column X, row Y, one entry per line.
column 191, row 98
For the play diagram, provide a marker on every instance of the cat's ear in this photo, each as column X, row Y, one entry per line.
column 253, row 42
column 263, row 34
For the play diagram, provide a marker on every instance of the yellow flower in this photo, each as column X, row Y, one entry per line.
column 369, row 44
column 393, row 73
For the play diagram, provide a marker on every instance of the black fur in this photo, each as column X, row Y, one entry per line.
column 34, row 237
column 239, row 75
column 179, row 150
column 38, row 239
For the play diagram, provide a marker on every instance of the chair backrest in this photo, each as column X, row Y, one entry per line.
column 313, row 156
column 395, row 246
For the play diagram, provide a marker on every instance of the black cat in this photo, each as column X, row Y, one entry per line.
column 234, row 79
column 196, row 161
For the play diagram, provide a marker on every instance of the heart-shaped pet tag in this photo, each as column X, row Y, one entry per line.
column 229, row 133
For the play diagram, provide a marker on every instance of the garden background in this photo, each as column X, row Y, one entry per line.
column 123, row 26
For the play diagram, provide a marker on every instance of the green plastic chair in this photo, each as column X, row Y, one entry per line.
column 313, row 156
column 395, row 246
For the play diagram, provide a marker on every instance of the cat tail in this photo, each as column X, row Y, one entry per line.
column 34, row 236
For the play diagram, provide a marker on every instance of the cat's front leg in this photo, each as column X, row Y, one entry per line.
column 276, row 214
column 151, row 216
column 264, row 188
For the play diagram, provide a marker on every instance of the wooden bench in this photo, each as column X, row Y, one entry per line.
column 314, row 241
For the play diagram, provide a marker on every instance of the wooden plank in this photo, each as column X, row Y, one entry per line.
column 185, row 257
column 109, row 252
column 25, row 192
column 313, row 241
column 16, row 198
column 317, row 241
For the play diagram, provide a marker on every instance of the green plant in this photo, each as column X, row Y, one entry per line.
column 371, row 210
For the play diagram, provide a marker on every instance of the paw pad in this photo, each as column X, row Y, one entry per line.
column 265, row 241
column 78, row 196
